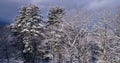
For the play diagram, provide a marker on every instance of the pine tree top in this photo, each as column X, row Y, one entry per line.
column 55, row 15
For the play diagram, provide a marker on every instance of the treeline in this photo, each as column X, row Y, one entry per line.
column 79, row 37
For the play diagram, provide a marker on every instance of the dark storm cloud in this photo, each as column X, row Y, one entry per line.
column 9, row 8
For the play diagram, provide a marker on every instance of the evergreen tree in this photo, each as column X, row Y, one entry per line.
column 28, row 26
column 55, row 33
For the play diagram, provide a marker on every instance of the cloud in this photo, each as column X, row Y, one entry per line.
column 9, row 8
column 95, row 4
column 71, row 4
column 37, row 1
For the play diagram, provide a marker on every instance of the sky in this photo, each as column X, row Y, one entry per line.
column 10, row 8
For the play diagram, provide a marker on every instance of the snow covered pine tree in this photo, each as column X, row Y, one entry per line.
column 54, row 32
column 28, row 26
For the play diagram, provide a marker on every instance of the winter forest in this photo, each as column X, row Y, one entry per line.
column 78, row 36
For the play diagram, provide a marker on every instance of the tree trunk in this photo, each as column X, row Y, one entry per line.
column 105, row 45
column 71, row 59
column 60, row 58
column 6, row 51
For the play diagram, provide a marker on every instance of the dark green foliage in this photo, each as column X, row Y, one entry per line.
column 55, row 34
column 27, row 28
column 55, row 15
